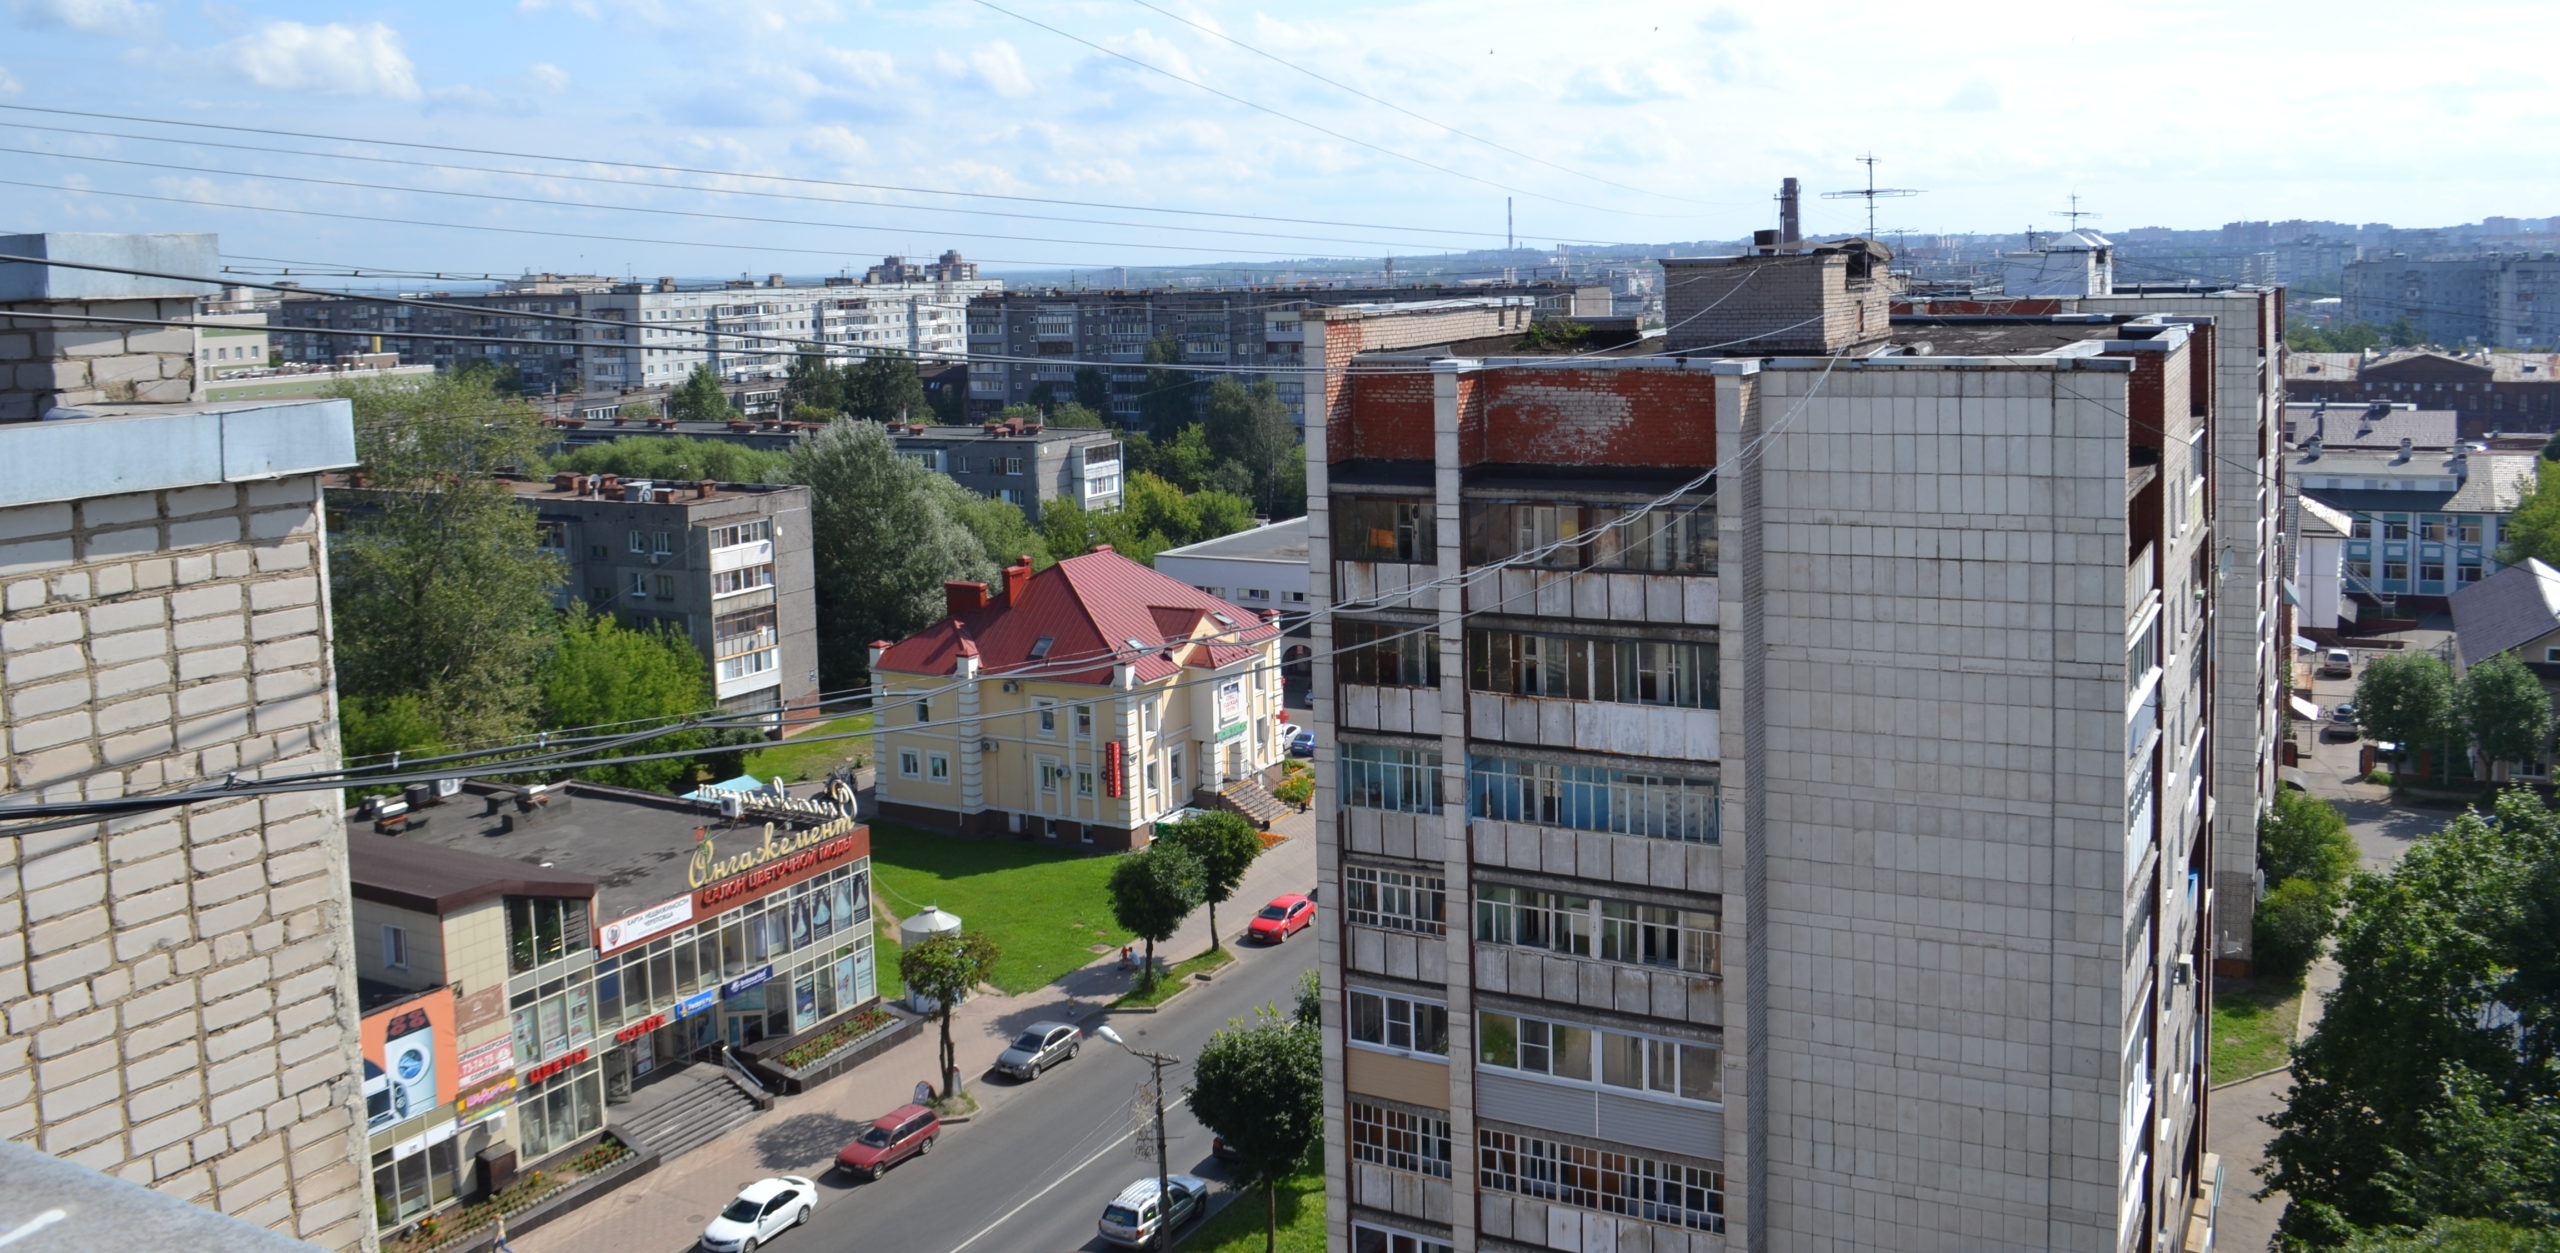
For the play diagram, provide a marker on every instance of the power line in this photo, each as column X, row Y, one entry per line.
column 1342, row 86
column 1299, row 121
column 650, row 210
column 708, row 191
column 743, row 174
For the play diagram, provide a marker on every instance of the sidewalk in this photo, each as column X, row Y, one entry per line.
column 667, row 1208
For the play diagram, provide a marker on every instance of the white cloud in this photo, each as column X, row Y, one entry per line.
column 336, row 59
column 1979, row 95
column 1623, row 83
column 834, row 143
column 863, row 66
column 549, row 77
column 8, row 82
column 994, row 66
column 125, row 19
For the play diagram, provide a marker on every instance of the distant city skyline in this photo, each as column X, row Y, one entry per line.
column 1655, row 122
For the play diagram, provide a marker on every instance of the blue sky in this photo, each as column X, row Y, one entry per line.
column 1668, row 121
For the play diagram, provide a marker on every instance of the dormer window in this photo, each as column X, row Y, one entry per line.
column 1222, row 619
column 1040, row 646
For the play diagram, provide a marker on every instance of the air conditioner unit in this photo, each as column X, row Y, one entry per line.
column 1011, row 687
column 2186, row 971
column 986, row 746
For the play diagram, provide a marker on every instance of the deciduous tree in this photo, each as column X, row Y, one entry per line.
column 2440, row 1036
column 1225, row 845
column 814, row 382
column 943, row 969
column 2408, row 699
column 1168, row 399
column 2507, row 712
column 1151, row 893
column 2301, row 837
column 1260, row 1086
column 1251, row 428
column 1093, row 389
column 601, row 672
column 699, row 398
column 883, row 540
column 677, row 457
column 440, row 589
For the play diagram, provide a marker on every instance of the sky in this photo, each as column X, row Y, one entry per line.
column 1189, row 137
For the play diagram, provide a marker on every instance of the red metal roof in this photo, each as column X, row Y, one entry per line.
column 1088, row 607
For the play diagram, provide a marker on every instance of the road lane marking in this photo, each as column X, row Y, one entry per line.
column 1053, row 1186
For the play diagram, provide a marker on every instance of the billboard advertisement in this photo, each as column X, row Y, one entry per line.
column 409, row 1058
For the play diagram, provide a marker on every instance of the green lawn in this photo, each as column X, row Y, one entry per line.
column 2251, row 1027
column 1238, row 1228
column 884, row 959
column 1045, row 909
column 1172, row 980
column 801, row 758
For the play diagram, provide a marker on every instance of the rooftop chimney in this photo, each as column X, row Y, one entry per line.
column 68, row 365
column 959, row 596
column 1789, row 221
column 1016, row 577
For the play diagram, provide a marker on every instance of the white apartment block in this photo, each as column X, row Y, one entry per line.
column 672, row 331
column 1823, row 860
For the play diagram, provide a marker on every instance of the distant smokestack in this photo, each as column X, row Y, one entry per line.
column 1790, row 224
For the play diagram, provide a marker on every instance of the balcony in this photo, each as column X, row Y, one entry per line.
column 1599, row 856
column 1405, row 710
column 1597, row 595
column 1392, row 833
column 1383, row 584
column 1396, row 954
column 1400, row 1192
column 1597, row 726
column 1618, row 987
column 2139, row 579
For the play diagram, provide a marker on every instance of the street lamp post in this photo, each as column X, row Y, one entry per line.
column 1164, row 1172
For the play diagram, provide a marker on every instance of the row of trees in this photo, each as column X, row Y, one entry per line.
column 1198, row 861
column 2306, row 854
column 448, row 637
column 882, row 387
column 2425, row 1111
column 2354, row 336
column 2498, row 707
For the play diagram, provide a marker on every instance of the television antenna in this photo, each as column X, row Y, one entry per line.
column 2074, row 213
column 1870, row 193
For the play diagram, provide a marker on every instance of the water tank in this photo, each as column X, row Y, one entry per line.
column 916, row 929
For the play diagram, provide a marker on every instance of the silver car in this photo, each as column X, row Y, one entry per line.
column 1040, row 1046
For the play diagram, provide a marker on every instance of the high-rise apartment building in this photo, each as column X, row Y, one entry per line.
column 914, row 309
column 1025, row 339
column 2489, row 301
column 1775, row 802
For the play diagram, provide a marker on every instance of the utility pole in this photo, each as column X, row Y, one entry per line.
column 1156, row 1063
column 1509, row 239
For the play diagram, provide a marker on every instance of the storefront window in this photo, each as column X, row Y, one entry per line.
column 733, row 950
column 804, row 1002
column 822, row 914
column 561, row 1112
column 799, row 922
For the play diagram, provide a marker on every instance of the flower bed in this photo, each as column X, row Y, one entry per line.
column 456, row 1227
column 815, row 1050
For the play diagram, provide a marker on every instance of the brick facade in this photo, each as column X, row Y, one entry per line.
column 45, row 363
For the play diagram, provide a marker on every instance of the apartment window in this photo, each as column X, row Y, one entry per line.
column 1593, row 798
column 1152, row 769
column 1395, row 900
column 2362, row 527
column 1368, row 1239
column 2432, row 528
column 596, row 552
column 1013, row 465
column 662, row 543
column 924, row 709
column 749, row 578
column 543, row 929
column 1051, row 774
column 1649, row 1065
column 1387, row 654
column 2395, row 572
column 1084, row 781
column 1084, row 722
column 1011, row 496
column 1383, row 529
column 1399, row 1139
column 1173, row 769
column 2395, row 527
column 1678, row 539
column 1399, row 1024
column 1382, row 776
column 1529, row 918
column 1657, row 935
column 937, row 767
column 2466, row 530
column 1046, row 711
column 1150, row 718
column 2467, row 568
column 639, row 588
column 1632, row 672
column 736, row 533
column 2360, row 569
column 395, row 947
column 1605, row 1180
column 910, row 764
column 639, row 542
column 666, row 587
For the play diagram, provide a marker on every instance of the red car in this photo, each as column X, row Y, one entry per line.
column 1281, row 917
column 904, row 1132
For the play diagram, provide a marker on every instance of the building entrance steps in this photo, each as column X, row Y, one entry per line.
column 683, row 1111
column 1248, row 796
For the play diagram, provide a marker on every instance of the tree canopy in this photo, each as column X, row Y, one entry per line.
column 2506, row 710
column 1151, row 893
column 2353, row 336
column 2429, row 1087
column 1249, row 427
column 2533, row 528
column 1168, row 400
column 602, row 672
column 1225, row 846
column 1260, row 1086
column 1154, row 515
column 699, row 398
column 942, row 969
column 2407, row 698
column 883, row 540
column 439, row 588
column 1093, row 388
column 677, row 457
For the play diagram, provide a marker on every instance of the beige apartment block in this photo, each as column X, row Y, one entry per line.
column 178, row 982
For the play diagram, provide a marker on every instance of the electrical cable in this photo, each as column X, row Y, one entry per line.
column 785, row 178
column 627, row 185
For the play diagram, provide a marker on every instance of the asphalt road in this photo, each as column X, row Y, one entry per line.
column 1032, row 1172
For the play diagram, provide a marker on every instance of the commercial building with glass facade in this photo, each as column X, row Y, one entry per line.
column 621, row 935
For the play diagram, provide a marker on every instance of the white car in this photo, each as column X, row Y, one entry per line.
column 764, row 1209
column 1133, row 1219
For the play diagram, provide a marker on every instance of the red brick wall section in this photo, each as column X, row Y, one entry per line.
column 1600, row 417
column 2203, row 344
column 1472, row 391
column 1387, row 415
